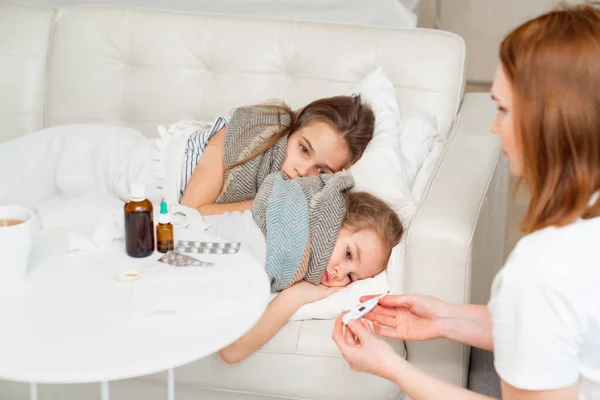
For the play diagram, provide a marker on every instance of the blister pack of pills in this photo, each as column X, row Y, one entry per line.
column 191, row 246
column 177, row 259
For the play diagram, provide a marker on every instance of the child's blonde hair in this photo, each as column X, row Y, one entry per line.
column 365, row 211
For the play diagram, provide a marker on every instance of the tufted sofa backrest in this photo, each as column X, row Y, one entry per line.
column 141, row 68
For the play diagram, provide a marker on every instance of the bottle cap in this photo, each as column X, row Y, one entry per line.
column 138, row 191
column 164, row 216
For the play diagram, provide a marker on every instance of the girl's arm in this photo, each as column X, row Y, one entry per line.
column 206, row 181
column 277, row 314
column 279, row 311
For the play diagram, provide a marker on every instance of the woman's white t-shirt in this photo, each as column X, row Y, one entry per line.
column 545, row 307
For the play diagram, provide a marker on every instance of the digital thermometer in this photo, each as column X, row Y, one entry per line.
column 362, row 309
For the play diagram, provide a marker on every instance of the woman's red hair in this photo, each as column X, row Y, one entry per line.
column 553, row 64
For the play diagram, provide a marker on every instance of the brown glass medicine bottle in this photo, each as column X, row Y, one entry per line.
column 139, row 224
column 164, row 230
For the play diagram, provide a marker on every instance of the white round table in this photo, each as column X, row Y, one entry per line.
column 72, row 321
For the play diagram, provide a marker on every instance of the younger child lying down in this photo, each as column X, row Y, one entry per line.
column 367, row 232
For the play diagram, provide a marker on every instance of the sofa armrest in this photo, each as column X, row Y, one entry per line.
column 457, row 235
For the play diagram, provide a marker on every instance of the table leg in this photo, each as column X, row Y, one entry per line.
column 105, row 390
column 171, row 384
column 33, row 394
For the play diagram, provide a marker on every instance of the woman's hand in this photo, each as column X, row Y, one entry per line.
column 309, row 293
column 363, row 351
column 409, row 317
column 367, row 353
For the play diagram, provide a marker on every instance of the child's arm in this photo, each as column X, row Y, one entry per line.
column 277, row 314
column 206, row 181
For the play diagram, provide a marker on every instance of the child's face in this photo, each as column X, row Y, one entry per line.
column 356, row 255
column 315, row 149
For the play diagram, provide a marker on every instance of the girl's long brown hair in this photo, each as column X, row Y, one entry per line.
column 553, row 65
column 347, row 115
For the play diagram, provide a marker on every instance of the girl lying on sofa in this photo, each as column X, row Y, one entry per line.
column 215, row 176
column 229, row 164
column 319, row 238
column 224, row 166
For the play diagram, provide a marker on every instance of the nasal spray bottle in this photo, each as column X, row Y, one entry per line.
column 164, row 230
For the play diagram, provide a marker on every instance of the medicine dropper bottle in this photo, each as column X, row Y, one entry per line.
column 164, row 230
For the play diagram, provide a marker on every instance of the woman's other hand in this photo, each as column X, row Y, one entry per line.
column 363, row 351
column 409, row 317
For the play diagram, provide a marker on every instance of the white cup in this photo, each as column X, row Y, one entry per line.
column 15, row 245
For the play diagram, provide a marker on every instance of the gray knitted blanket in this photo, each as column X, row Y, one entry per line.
column 248, row 130
column 301, row 220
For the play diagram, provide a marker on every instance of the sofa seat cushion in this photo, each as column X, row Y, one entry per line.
column 301, row 362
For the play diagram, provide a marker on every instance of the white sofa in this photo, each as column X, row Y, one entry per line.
column 142, row 68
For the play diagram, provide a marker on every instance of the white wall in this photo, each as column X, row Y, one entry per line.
column 483, row 24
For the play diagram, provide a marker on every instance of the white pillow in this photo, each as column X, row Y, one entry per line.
column 417, row 136
column 382, row 169
column 402, row 142
column 330, row 307
column 429, row 167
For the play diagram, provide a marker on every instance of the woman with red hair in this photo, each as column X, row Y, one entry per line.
column 543, row 318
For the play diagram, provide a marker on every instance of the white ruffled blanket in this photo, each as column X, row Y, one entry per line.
column 73, row 160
